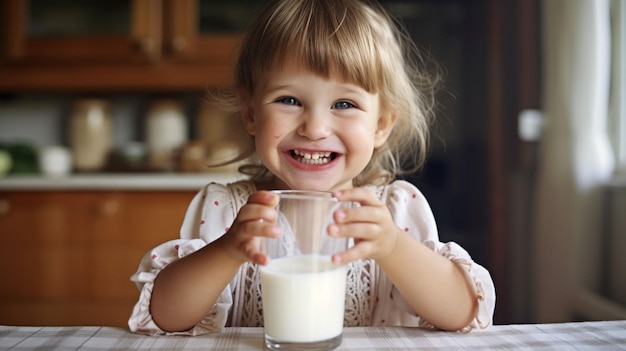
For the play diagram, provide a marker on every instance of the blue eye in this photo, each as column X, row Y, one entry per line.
column 342, row 105
column 288, row 100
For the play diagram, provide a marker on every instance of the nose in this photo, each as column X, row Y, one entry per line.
column 315, row 125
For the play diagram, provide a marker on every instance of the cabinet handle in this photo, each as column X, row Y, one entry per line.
column 108, row 207
column 179, row 43
column 5, row 207
column 146, row 46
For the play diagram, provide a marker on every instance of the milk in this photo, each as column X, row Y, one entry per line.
column 303, row 298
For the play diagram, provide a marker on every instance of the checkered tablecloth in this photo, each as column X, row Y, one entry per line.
column 608, row 335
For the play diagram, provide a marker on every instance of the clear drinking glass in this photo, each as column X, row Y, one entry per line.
column 303, row 291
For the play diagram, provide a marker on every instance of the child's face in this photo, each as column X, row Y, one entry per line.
column 313, row 133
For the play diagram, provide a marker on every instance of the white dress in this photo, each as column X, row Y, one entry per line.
column 371, row 299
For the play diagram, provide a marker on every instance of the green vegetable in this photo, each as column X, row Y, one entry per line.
column 25, row 158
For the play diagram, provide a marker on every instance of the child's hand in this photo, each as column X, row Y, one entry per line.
column 256, row 219
column 371, row 225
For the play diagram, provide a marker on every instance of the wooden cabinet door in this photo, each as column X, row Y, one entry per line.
column 151, row 45
column 66, row 257
column 43, row 256
column 206, row 30
column 80, row 32
column 146, row 219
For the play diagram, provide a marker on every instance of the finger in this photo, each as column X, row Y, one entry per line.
column 260, row 228
column 253, row 253
column 256, row 212
column 363, row 214
column 361, row 195
column 371, row 209
column 364, row 231
column 261, row 258
column 257, row 257
column 263, row 197
column 357, row 252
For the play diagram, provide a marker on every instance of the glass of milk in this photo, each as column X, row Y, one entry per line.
column 303, row 291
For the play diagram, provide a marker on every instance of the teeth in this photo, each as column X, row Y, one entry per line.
column 315, row 158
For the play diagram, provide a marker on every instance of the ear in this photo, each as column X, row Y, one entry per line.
column 247, row 113
column 383, row 130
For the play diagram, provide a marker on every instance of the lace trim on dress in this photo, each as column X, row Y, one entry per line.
column 241, row 191
column 251, row 305
column 247, row 308
column 359, row 292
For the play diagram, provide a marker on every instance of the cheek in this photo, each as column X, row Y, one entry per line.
column 268, row 136
column 271, row 131
column 361, row 140
column 274, row 128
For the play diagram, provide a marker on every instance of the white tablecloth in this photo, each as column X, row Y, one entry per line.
column 608, row 335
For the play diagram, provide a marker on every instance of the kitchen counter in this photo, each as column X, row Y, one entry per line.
column 117, row 181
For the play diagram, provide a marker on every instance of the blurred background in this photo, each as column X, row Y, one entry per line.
column 105, row 137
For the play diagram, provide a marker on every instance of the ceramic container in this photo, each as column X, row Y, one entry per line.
column 55, row 161
column 166, row 130
column 90, row 134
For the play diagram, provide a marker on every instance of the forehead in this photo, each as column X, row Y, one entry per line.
column 289, row 70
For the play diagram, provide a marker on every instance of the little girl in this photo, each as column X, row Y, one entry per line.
column 331, row 94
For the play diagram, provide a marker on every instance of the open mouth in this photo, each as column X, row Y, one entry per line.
column 313, row 158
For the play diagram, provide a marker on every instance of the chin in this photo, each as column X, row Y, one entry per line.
column 310, row 187
column 302, row 184
column 316, row 184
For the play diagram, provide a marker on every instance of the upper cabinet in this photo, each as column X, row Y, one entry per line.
column 120, row 45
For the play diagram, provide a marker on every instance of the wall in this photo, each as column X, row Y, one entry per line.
column 41, row 119
column 615, row 278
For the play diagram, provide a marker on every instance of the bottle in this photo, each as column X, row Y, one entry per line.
column 90, row 134
column 165, row 133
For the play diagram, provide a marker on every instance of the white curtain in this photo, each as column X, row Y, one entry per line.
column 617, row 125
column 576, row 158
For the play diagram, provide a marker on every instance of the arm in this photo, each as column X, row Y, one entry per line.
column 186, row 289
column 434, row 286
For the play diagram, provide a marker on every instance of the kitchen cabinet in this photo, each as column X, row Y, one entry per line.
column 120, row 45
column 66, row 257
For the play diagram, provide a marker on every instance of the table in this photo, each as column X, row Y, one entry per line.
column 606, row 335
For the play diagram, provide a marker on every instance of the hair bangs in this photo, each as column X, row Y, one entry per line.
column 330, row 41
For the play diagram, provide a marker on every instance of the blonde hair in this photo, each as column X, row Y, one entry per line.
column 359, row 43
